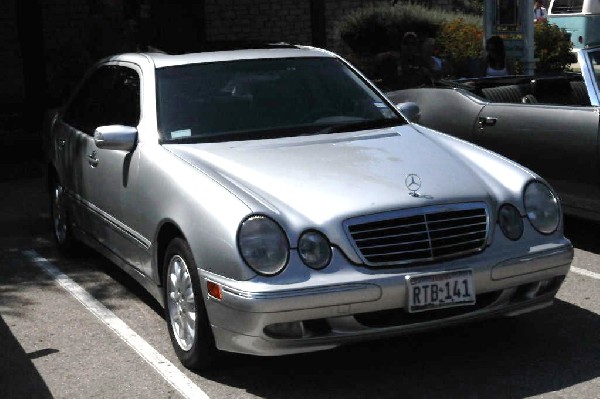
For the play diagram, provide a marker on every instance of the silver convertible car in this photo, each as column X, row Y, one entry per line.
column 548, row 123
column 275, row 202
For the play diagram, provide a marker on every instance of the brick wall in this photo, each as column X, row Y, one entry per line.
column 68, row 28
column 11, row 68
column 266, row 20
column 65, row 34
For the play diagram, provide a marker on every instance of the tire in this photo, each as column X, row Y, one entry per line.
column 61, row 226
column 195, row 346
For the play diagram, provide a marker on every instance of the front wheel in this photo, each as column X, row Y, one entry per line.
column 187, row 320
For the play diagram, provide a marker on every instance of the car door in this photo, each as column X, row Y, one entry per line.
column 103, row 178
column 71, row 135
column 560, row 143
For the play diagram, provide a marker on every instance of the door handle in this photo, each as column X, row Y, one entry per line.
column 60, row 143
column 92, row 160
column 487, row 121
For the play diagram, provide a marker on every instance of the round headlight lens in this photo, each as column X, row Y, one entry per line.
column 510, row 222
column 263, row 245
column 542, row 207
column 314, row 249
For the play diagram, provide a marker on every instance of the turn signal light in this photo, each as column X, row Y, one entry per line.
column 214, row 290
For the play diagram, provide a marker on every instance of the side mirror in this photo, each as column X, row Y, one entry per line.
column 116, row 137
column 410, row 111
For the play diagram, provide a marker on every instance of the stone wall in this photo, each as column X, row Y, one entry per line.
column 11, row 68
column 266, row 20
column 66, row 50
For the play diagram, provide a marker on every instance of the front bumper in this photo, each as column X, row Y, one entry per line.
column 349, row 303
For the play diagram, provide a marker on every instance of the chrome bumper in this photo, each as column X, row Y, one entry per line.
column 366, row 304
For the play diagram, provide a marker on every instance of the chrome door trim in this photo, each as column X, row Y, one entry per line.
column 117, row 225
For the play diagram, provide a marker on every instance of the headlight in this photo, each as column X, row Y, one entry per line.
column 263, row 245
column 314, row 249
column 510, row 222
column 542, row 207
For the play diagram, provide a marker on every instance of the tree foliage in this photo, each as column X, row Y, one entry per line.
column 553, row 48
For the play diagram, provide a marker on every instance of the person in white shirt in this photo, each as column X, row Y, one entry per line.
column 539, row 12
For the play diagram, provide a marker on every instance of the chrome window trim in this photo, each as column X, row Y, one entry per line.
column 589, row 77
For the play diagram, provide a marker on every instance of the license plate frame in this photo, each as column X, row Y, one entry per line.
column 440, row 290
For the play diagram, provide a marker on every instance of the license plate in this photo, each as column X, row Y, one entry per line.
column 440, row 290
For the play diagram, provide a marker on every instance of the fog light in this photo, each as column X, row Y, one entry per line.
column 214, row 290
column 510, row 222
column 293, row 329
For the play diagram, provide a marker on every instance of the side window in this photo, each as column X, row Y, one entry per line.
column 125, row 102
column 111, row 96
column 86, row 110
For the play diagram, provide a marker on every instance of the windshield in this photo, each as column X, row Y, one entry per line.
column 251, row 99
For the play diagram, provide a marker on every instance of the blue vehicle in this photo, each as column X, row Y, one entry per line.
column 580, row 18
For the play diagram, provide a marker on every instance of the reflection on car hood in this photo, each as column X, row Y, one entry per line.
column 334, row 176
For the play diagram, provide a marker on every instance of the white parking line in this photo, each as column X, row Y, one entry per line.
column 584, row 272
column 166, row 369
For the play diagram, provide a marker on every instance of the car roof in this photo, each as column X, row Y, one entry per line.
column 163, row 60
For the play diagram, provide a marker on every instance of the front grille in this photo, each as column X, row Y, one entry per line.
column 420, row 235
column 567, row 6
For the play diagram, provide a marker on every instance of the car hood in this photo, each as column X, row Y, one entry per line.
column 335, row 176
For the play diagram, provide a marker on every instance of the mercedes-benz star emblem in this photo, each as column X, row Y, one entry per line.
column 413, row 183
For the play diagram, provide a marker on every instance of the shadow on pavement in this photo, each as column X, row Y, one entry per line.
column 83, row 269
column 583, row 233
column 18, row 375
column 21, row 153
column 532, row 354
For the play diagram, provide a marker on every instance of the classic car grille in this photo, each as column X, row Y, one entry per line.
column 426, row 234
column 567, row 6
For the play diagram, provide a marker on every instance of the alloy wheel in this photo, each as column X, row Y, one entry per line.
column 181, row 302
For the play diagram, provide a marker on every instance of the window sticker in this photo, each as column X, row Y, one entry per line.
column 177, row 134
column 380, row 105
column 387, row 113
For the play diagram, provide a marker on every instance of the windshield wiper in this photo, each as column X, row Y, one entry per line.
column 362, row 125
column 303, row 130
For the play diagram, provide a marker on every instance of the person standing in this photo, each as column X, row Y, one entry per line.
column 540, row 14
column 496, row 63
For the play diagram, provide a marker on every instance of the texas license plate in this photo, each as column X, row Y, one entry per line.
column 440, row 290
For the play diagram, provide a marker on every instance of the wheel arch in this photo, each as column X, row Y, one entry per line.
column 167, row 231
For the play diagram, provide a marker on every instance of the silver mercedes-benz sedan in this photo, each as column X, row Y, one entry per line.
column 275, row 202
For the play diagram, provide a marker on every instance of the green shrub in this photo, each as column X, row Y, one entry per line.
column 459, row 42
column 552, row 48
column 375, row 29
